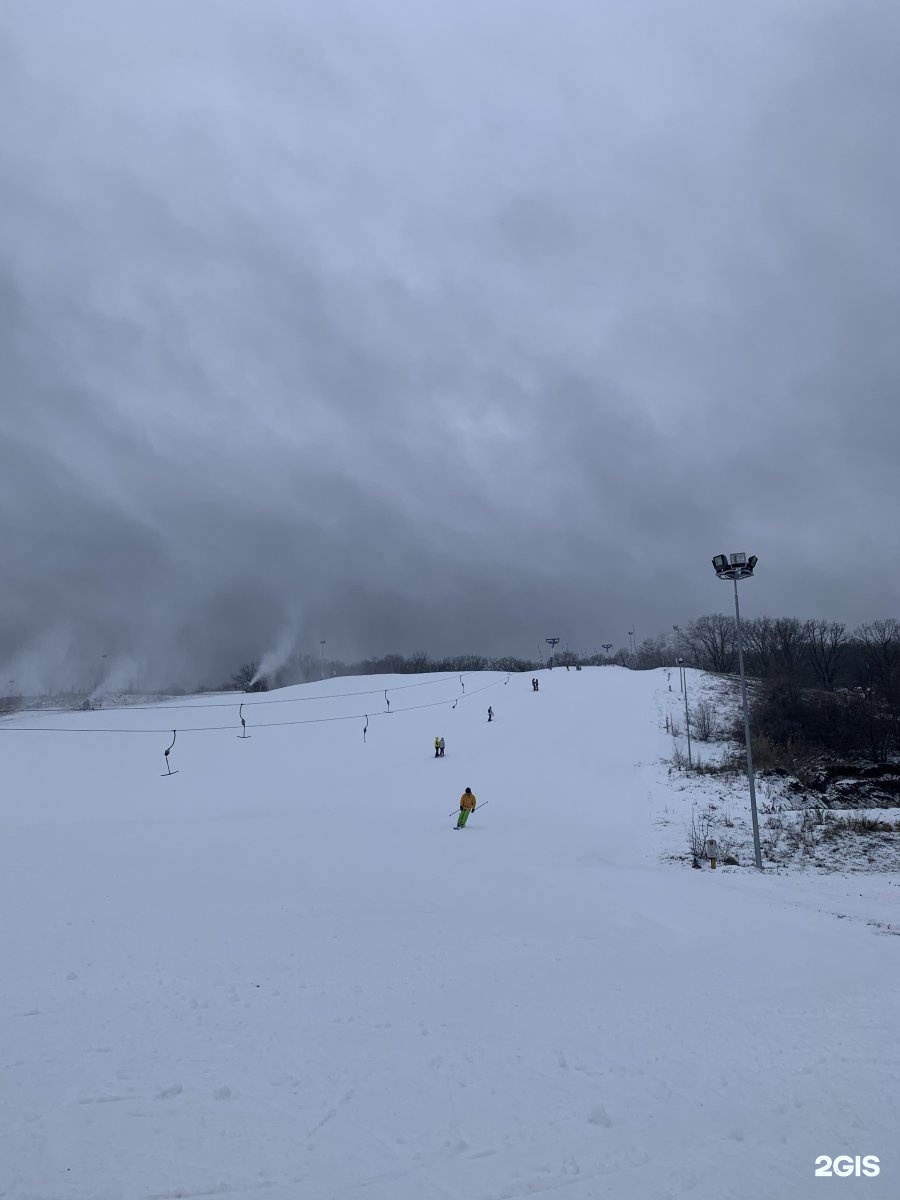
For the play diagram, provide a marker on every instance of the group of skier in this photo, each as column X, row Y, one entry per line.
column 467, row 800
column 440, row 745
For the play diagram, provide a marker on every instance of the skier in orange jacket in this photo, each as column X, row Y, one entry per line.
column 467, row 804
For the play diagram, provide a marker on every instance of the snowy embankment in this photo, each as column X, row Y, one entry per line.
column 280, row 973
column 848, row 820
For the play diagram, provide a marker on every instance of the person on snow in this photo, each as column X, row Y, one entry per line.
column 490, row 713
column 437, row 747
column 467, row 804
column 441, row 747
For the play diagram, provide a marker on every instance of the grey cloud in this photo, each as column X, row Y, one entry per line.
column 418, row 328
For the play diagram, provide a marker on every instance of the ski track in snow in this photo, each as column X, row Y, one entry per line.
column 277, row 975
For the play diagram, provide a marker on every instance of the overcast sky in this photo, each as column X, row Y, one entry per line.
column 443, row 326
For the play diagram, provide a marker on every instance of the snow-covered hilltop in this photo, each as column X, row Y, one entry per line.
column 279, row 973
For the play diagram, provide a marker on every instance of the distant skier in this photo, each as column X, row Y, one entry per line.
column 441, row 747
column 437, row 747
column 490, row 713
column 467, row 804
column 534, row 685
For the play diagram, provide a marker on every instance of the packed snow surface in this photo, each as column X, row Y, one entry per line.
column 282, row 973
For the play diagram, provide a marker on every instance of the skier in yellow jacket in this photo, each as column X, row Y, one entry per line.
column 467, row 804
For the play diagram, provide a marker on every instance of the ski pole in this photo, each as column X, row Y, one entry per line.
column 483, row 804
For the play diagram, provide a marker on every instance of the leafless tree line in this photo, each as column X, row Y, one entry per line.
column 821, row 686
column 812, row 653
column 824, row 687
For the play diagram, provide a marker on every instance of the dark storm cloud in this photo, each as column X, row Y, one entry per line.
column 442, row 327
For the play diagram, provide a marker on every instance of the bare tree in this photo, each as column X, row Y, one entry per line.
column 788, row 647
column 713, row 642
column 653, row 652
column 703, row 721
column 826, row 648
column 882, row 654
column 701, row 825
column 881, row 641
column 244, row 679
column 758, row 635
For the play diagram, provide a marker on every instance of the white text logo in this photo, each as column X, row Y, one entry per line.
column 845, row 1166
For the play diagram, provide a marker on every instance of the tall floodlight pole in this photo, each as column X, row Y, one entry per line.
column 607, row 646
column 631, row 641
column 677, row 629
column 551, row 642
column 735, row 567
column 687, row 717
column 322, row 644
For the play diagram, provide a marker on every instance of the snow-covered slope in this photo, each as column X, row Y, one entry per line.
column 280, row 972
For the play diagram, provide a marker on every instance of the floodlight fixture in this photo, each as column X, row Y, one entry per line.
column 739, row 566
